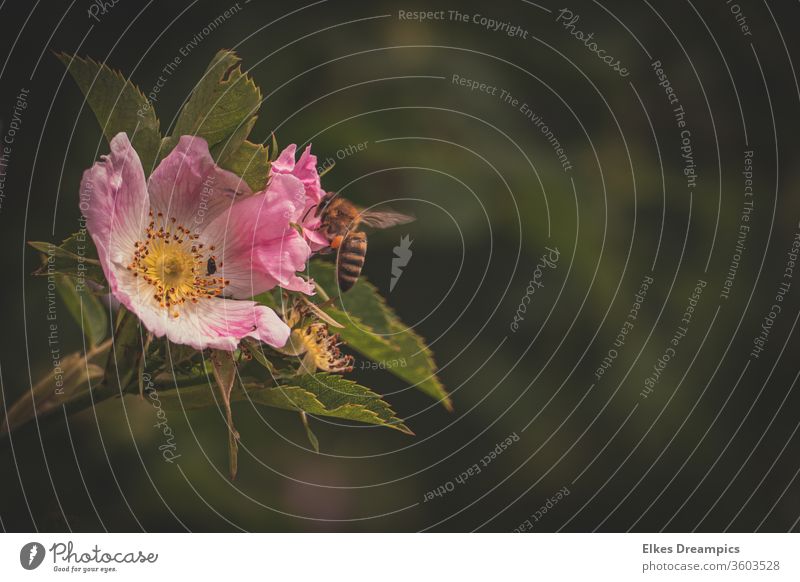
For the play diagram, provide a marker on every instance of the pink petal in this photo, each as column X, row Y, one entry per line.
column 218, row 323
column 189, row 186
column 222, row 323
column 245, row 280
column 316, row 240
column 285, row 162
column 281, row 259
column 287, row 188
column 113, row 198
column 259, row 222
column 270, row 328
column 137, row 296
column 306, row 171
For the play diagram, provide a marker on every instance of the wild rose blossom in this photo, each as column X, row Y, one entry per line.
column 186, row 248
column 305, row 170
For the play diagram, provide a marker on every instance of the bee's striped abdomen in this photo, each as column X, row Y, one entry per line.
column 350, row 260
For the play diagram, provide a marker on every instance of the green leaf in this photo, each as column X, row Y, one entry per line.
column 174, row 355
column 123, row 361
column 53, row 391
column 329, row 395
column 318, row 312
column 373, row 329
column 275, row 151
column 256, row 349
column 222, row 102
column 118, row 105
column 251, row 162
column 229, row 147
column 277, row 364
column 270, row 299
column 244, row 158
column 76, row 257
column 85, row 307
column 80, row 244
column 67, row 384
column 320, row 394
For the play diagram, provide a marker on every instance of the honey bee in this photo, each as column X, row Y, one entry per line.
column 340, row 220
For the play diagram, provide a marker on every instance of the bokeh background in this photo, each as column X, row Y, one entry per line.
column 714, row 447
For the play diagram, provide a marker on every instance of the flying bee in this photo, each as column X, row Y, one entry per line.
column 340, row 220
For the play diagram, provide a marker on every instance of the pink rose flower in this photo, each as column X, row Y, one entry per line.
column 185, row 250
column 305, row 170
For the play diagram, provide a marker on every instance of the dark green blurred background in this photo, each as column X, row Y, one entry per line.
column 713, row 447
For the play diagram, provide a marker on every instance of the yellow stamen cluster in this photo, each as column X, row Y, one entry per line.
column 175, row 264
column 323, row 349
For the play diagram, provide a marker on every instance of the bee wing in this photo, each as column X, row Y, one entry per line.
column 384, row 218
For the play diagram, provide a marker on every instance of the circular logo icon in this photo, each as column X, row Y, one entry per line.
column 31, row 555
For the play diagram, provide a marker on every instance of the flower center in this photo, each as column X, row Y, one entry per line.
column 178, row 268
column 321, row 350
